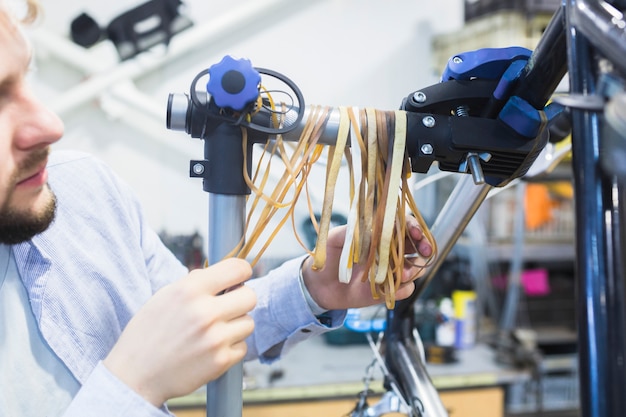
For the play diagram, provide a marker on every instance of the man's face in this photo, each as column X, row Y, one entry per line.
column 27, row 129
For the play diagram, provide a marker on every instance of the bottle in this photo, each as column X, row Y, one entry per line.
column 446, row 329
column 465, row 314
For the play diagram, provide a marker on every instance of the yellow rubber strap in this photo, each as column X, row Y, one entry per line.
column 391, row 200
column 329, row 193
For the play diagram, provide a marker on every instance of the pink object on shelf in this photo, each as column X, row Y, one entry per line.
column 535, row 282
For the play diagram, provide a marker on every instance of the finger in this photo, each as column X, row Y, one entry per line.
column 414, row 267
column 415, row 231
column 235, row 303
column 221, row 276
column 229, row 356
column 336, row 236
column 233, row 331
column 425, row 248
column 405, row 290
column 239, row 350
column 411, row 274
column 417, row 238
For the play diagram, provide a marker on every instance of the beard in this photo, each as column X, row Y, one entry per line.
column 17, row 226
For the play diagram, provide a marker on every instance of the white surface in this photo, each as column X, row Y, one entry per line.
column 317, row 363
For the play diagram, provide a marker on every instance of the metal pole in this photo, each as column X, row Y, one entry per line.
column 224, row 181
column 226, row 227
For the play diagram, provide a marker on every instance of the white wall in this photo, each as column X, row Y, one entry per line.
column 339, row 52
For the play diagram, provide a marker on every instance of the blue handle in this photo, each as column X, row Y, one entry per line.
column 233, row 83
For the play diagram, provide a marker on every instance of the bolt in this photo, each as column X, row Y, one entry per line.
column 428, row 121
column 427, row 149
column 462, row 111
column 198, row 169
column 419, row 97
column 457, row 60
column 473, row 161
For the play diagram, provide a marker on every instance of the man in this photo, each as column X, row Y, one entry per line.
column 97, row 317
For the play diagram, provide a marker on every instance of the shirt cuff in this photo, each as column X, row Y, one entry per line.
column 282, row 316
column 315, row 308
column 103, row 394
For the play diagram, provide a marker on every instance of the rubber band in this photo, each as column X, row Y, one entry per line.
column 380, row 196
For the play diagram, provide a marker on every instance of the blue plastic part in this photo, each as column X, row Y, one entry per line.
column 507, row 80
column 356, row 324
column 521, row 117
column 233, row 83
column 553, row 109
column 486, row 63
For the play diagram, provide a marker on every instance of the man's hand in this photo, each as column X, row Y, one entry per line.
column 187, row 334
column 330, row 294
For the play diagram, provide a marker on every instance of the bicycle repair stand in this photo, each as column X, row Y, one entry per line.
column 233, row 85
column 476, row 127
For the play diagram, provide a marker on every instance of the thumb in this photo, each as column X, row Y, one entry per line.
column 336, row 236
column 221, row 276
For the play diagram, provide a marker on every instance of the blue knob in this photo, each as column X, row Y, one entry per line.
column 233, row 83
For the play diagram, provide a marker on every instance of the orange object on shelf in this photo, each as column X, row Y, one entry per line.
column 537, row 205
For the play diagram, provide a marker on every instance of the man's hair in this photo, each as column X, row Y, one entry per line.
column 33, row 10
column 26, row 11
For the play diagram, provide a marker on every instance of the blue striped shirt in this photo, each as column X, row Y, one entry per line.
column 99, row 262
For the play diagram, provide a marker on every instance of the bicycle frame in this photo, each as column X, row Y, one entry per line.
column 581, row 35
column 595, row 33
